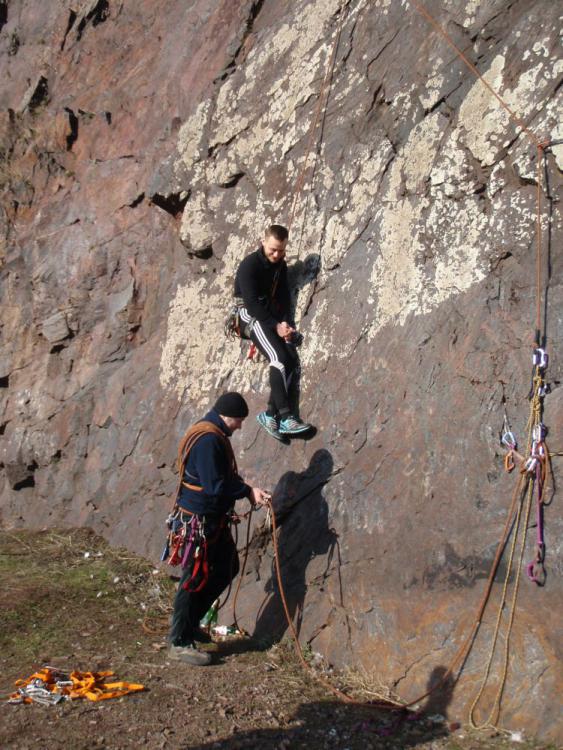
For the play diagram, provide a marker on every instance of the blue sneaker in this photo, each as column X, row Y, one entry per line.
column 293, row 426
column 270, row 424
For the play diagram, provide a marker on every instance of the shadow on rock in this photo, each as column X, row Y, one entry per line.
column 303, row 533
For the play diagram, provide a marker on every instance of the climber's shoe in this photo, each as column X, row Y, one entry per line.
column 292, row 426
column 270, row 424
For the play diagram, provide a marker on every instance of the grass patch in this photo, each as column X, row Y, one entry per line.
column 68, row 594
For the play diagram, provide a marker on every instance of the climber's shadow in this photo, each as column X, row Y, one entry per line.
column 442, row 685
column 301, row 514
column 362, row 725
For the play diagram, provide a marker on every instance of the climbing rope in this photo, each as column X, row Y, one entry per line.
column 532, row 476
column 242, row 571
column 535, row 469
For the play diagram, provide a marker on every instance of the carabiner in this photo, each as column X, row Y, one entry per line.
column 539, row 432
column 540, row 358
column 509, row 440
column 509, row 462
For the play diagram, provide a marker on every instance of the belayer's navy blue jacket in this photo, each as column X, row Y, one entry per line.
column 208, row 466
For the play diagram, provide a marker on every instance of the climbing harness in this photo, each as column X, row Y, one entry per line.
column 50, row 686
column 235, row 327
column 186, row 538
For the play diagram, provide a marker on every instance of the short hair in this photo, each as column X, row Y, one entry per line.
column 278, row 232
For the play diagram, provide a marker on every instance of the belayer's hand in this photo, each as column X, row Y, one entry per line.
column 259, row 497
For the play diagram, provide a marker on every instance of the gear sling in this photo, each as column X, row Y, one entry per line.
column 186, row 540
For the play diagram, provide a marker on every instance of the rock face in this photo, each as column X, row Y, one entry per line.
column 144, row 147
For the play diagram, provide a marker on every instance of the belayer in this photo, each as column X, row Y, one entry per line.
column 200, row 538
column 262, row 293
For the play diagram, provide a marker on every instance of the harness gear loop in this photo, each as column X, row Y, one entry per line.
column 235, row 328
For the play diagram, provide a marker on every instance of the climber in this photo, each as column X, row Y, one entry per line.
column 207, row 494
column 262, row 289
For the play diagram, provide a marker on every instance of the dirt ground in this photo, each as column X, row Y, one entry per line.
column 69, row 601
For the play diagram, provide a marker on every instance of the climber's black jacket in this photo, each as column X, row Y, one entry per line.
column 254, row 282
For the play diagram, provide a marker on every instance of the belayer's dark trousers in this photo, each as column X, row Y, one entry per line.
column 190, row 606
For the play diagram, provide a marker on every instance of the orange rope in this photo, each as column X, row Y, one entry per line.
column 421, row 9
column 540, row 146
column 462, row 652
column 242, row 571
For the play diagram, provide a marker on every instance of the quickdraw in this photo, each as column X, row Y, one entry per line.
column 536, row 465
column 200, row 571
column 185, row 531
column 509, row 441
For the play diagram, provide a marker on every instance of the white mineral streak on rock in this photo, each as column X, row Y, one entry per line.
column 196, row 230
column 400, row 281
column 487, row 124
column 194, row 337
column 470, row 8
column 430, row 171
column 479, row 115
column 432, row 90
column 194, row 350
column 293, row 45
column 364, row 175
column 190, row 137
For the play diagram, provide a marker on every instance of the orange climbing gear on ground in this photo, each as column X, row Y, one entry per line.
column 50, row 685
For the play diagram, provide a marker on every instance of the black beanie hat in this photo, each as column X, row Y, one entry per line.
column 231, row 404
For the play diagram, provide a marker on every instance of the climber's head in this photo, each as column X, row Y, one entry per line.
column 275, row 242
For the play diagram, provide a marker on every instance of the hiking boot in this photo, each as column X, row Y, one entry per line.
column 189, row 655
column 292, row 426
column 202, row 636
column 270, row 424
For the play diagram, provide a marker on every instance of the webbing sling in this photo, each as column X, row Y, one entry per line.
column 90, row 685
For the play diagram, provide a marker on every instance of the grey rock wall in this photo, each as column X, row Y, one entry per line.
column 144, row 147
